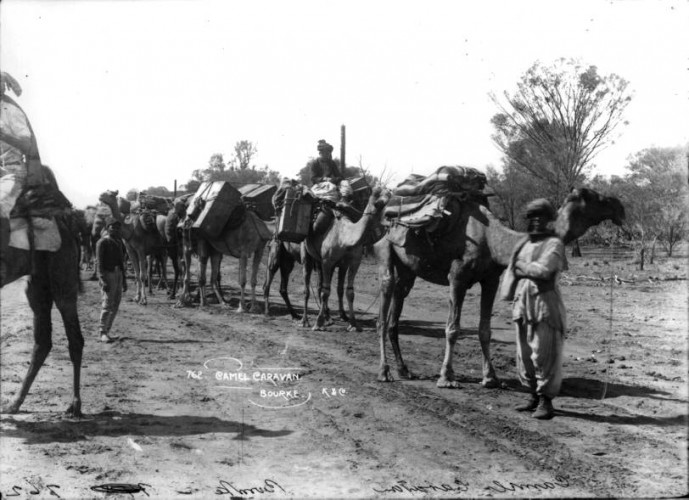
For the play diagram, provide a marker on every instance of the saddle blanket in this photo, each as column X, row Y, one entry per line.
column 415, row 211
column 46, row 234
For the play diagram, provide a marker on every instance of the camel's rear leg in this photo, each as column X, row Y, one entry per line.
column 41, row 302
column 256, row 263
column 308, row 269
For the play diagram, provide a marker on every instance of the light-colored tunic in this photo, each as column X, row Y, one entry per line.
column 539, row 315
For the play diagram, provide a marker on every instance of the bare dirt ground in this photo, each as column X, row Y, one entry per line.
column 188, row 402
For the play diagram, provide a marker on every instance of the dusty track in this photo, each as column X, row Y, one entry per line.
column 620, row 430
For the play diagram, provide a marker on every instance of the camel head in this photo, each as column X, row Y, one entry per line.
column 585, row 208
column 379, row 198
column 109, row 198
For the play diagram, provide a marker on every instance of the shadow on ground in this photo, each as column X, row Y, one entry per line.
column 56, row 429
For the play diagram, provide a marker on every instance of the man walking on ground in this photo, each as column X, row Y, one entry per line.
column 111, row 276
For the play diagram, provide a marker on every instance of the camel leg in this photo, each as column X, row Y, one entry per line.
column 203, row 263
column 256, row 263
column 489, row 288
column 243, row 263
column 272, row 267
column 185, row 294
column 323, row 319
column 41, row 302
column 341, row 276
column 216, row 260
column 67, row 306
column 386, row 275
column 458, row 288
column 142, row 274
column 308, row 268
column 351, row 274
column 403, row 283
column 171, row 292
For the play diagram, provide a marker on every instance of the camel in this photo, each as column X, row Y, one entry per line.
column 342, row 245
column 167, row 227
column 249, row 238
column 54, row 279
column 138, row 241
column 474, row 248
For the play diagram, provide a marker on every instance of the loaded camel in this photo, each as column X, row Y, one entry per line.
column 283, row 255
column 248, row 238
column 475, row 248
column 54, row 279
column 138, row 240
column 342, row 245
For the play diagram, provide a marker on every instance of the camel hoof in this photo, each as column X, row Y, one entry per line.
column 491, row 383
column 444, row 383
column 354, row 328
column 10, row 409
column 74, row 410
column 384, row 375
column 305, row 323
column 403, row 372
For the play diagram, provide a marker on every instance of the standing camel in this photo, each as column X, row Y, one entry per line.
column 474, row 248
column 138, row 240
column 249, row 238
column 342, row 245
column 167, row 226
column 54, row 279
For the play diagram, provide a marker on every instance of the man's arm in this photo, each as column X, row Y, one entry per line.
column 549, row 262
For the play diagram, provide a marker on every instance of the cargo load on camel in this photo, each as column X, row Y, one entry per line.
column 214, row 206
column 420, row 202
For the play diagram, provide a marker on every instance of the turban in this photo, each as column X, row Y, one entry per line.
column 324, row 147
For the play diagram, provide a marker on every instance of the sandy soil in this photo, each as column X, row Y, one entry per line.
column 159, row 421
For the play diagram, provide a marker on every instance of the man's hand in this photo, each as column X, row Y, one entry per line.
column 103, row 285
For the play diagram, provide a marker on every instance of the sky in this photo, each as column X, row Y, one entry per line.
column 132, row 94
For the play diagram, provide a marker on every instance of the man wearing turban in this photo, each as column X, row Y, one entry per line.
column 538, row 310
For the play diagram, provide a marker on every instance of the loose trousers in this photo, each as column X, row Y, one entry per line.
column 111, row 300
column 539, row 357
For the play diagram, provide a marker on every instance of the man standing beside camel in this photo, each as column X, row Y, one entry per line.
column 110, row 259
column 538, row 310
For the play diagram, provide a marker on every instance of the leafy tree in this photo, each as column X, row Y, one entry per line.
column 513, row 189
column 304, row 175
column 558, row 119
column 238, row 171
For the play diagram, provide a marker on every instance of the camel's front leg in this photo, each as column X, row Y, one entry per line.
column 203, row 264
column 353, row 268
column 185, row 294
column 323, row 319
column 216, row 259
column 489, row 288
column 341, row 277
column 403, row 283
column 308, row 268
column 143, row 300
column 458, row 287
column 271, row 269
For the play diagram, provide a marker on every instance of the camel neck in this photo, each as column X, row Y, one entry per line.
column 501, row 240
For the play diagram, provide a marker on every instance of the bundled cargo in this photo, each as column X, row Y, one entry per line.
column 448, row 179
column 210, row 208
column 152, row 202
column 361, row 191
column 295, row 218
column 259, row 199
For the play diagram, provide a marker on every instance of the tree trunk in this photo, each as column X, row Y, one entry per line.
column 576, row 251
column 642, row 254
column 653, row 250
